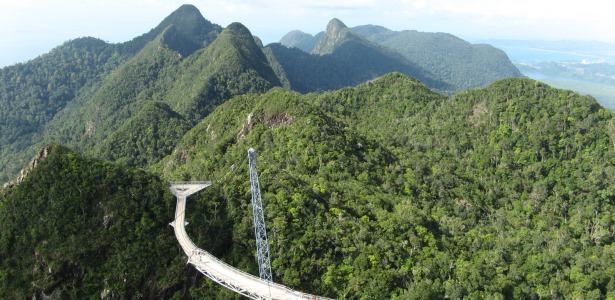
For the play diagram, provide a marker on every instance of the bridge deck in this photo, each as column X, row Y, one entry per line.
column 220, row 272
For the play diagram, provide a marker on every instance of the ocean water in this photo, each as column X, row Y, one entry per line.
column 537, row 55
column 541, row 76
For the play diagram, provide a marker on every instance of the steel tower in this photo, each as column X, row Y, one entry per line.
column 262, row 246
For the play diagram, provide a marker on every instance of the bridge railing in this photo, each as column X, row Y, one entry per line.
column 255, row 278
column 189, row 182
column 241, row 274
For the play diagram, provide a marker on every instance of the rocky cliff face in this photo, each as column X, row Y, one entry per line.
column 335, row 35
column 42, row 154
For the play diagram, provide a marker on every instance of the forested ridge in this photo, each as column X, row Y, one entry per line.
column 83, row 228
column 82, row 91
column 448, row 57
column 186, row 62
column 391, row 189
column 450, row 63
column 33, row 93
column 386, row 189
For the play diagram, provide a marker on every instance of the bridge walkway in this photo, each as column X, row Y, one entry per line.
column 217, row 270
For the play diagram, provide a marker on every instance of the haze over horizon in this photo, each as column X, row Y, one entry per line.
column 30, row 28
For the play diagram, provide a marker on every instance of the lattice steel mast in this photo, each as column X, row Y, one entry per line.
column 262, row 246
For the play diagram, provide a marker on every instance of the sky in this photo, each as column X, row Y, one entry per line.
column 29, row 28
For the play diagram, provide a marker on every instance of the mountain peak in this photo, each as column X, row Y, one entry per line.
column 233, row 64
column 239, row 30
column 336, row 33
column 190, row 31
column 190, row 22
column 187, row 8
column 299, row 39
column 188, row 12
column 335, row 26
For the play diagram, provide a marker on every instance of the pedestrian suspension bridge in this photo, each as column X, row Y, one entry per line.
column 220, row 272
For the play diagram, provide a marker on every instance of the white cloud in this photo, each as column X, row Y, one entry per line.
column 32, row 27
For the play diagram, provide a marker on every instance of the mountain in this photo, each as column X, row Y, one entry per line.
column 389, row 188
column 450, row 58
column 86, row 90
column 341, row 58
column 82, row 227
column 186, row 62
column 334, row 37
column 34, row 93
column 365, row 184
column 232, row 65
column 145, row 138
column 386, row 188
column 388, row 185
column 300, row 39
column 191, row 32
column 444, row 57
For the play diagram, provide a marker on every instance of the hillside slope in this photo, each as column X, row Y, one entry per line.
column 386, row 188
column 370, row 189
column 78, row 227
column 448, row 57
column 339, row 59
column 444, row 57
column 299, row 39
column 145, row 138
column 82, row 92
column 33, row 93
column 186, row 62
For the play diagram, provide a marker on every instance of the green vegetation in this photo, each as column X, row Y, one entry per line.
column 596, row 79
column 232, row 65
column 116, row 84
column 339, row 59
column 351, row 63
column 145, row 138
column 440, row 60
column 391, row 189
column 301, row 40
column 84, row 91
column 449, row 58
column 82, row 228
column 42, row 100
column 388, row 189
column 34, row 92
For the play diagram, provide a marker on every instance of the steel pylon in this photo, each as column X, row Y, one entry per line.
column 262, row 246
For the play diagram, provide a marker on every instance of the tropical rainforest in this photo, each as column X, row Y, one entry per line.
column 401, row 185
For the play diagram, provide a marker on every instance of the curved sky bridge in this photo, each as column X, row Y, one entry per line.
column 230, row 277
